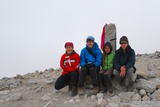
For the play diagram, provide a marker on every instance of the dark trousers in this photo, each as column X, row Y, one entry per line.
column 92, row 71
column 105, row 79
column 64, row 80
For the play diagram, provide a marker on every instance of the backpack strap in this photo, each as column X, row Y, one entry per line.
column 91, row 52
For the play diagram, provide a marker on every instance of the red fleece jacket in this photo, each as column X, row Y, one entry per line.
column 69, row 63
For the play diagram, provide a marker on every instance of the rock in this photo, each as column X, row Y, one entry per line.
column 142, row 92
column 49, row 104
column 45, row 98
column 146, row 98
column 151, row 74
column 153, row 65
column 156, row 95
column 126, row 96
column 19, row 77
column 39, row 89
column 101, row 102
column 157, row 82
column 142, row 75
column 15, row 97
column 93, row 97
column 114, row 99
column 147, row 85
column 50, row 81
column 135, row 91
column 100, row 95
column 136, row 97
column 112, row 104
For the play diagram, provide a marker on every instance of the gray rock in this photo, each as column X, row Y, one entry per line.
column 156, row 95
column 153, row 65
column 15, row 97
column 93, row 97
column 146, row 98
column 136, row 97
column 142, row 92
column 102, row 102
column 49, row 104
column 151, row 74
column 126, row 96
column 50, row 81
column 114, row 99
column 156, row 81
column 147, row 85
column 100, row 95
column 45, row 98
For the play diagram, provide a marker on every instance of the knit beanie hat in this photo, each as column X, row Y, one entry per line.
column 123, row 38
column 91, row 38
column 68, row 44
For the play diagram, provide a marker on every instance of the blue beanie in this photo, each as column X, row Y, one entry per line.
column 90, row 38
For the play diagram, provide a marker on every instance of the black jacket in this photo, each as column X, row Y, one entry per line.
column 126, row 59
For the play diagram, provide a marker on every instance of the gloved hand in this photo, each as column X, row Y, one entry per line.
column 89, row 65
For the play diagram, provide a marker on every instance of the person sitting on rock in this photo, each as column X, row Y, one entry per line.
column 107, row 68
column 90, row 61
column 69, row 63
column 124, row 62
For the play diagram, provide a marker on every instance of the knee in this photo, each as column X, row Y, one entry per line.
column 130, row 71
column 57, row 87
column 115, row 72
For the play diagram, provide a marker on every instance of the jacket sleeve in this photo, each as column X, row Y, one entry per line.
column 82, row 58
column 131, row 60
column 98, row 58
column 117, row 66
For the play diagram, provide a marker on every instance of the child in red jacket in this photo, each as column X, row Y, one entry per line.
column 70, row 69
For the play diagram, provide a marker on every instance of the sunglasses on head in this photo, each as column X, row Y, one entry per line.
column 123, row 43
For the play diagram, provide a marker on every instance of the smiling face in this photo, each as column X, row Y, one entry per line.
column 69, row 49
column 107, row 49
column 90, row 43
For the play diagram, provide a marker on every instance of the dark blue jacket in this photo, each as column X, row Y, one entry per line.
column 86, row 57
column 126, row 59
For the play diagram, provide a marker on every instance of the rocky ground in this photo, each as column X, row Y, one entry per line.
column 37, row 89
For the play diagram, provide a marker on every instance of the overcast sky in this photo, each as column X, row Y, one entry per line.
column 33, row 32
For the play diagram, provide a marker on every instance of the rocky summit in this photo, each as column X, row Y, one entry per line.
column 37, row 89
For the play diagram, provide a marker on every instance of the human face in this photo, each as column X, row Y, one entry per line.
column 69, row 49
column 124, row 45
column 107, row 49
column 90, row 44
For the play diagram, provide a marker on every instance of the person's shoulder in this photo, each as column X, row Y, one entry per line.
column 63, row 55
column 76, row 54
column 131, row 49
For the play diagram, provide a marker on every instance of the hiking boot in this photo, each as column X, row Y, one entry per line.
column 111, row 93
column 102, row 90
column 81, row 90
column 74, row 91
column 95, row 90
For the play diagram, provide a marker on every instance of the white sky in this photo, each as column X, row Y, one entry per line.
column 33, row 32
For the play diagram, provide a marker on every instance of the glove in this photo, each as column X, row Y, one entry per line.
column 89, row 65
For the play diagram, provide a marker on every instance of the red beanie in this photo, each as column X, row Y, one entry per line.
column 68, row 44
